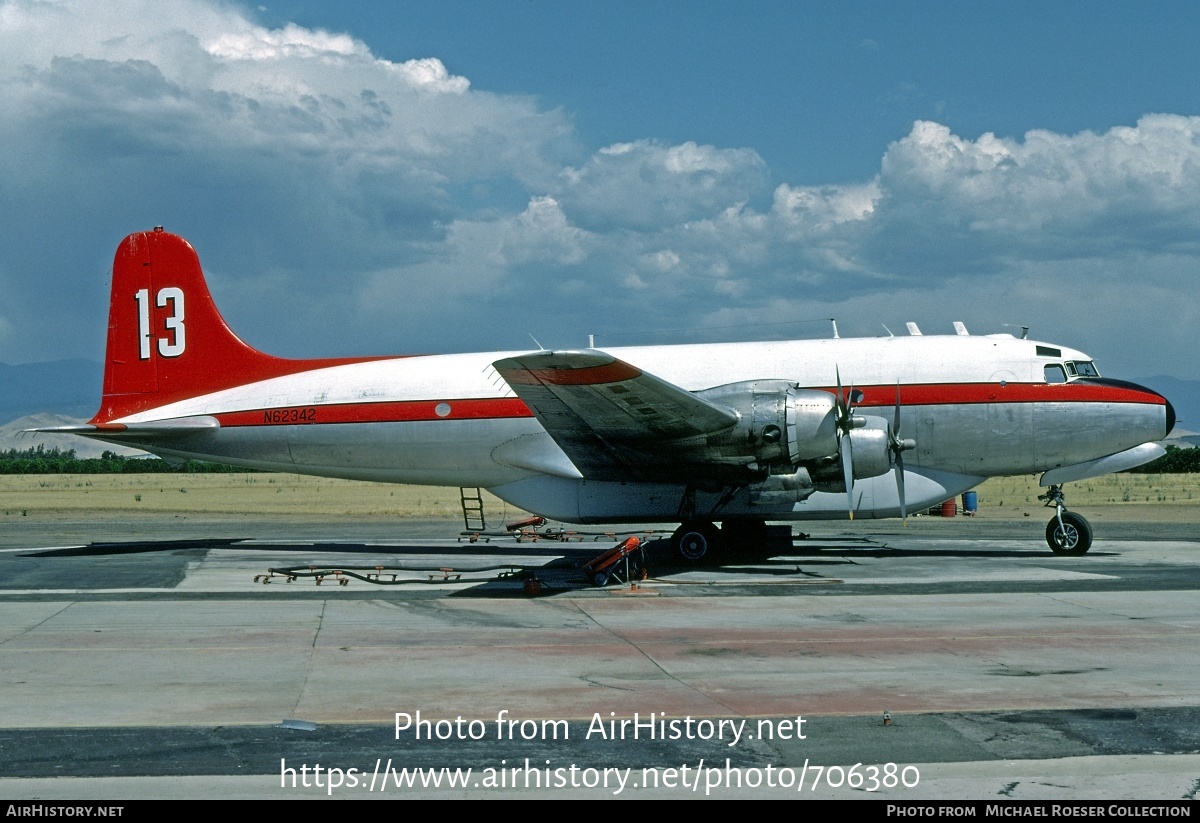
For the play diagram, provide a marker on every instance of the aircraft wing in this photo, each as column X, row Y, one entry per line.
column 613, row 420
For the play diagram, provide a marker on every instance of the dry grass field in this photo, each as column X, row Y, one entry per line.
column 1134, row 496
column 1173, row 497
column 235, row 494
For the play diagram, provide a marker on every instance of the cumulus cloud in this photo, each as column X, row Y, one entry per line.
column 346, row 203
column 290, row 154
column 1050, row 194
column 646, row 185
column 1046, row 230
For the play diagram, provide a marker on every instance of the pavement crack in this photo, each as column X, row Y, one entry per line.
column 308, row 666
column 653, row 662
column 598, row 684
column 320, row 623
column 37, row 625
column 1108, row 612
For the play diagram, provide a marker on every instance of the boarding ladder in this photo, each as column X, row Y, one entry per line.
column 472, row 508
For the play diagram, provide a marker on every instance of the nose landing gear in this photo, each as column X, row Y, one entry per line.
column 1067, row 533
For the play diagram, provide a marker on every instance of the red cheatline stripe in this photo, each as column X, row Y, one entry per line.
column 397, row 412
column 613, row 372
column 942, row 394
column 181, row 386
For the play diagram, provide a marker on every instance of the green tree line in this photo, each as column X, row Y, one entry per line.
column 1175, row 461
column 40, row 460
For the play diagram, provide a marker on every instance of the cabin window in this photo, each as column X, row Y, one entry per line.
column 1055, row 373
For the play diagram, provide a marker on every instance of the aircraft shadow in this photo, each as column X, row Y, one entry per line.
column 131, row 547
column 508, row 569
column 659, row 551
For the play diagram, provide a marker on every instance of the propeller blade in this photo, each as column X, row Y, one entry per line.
column 898, row 447
column 896, row 418
column 848, row 472
column 845, row 422
column 842, row 411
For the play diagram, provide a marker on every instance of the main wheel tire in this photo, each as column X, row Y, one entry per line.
column 1072, row 538
column 697, row 541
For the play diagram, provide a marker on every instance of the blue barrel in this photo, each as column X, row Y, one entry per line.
column 970, row 502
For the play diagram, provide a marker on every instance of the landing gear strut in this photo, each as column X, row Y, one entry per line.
column 1067, row 533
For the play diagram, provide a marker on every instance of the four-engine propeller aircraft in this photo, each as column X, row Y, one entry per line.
column 736, row 433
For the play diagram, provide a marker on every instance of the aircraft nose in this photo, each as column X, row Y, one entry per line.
column 1134, row 393
column 1169, row 410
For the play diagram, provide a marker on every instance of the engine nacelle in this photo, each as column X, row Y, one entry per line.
column 871, row 447
column 786, row 432
column 780, row 426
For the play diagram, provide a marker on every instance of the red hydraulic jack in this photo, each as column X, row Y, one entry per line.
column 623, row 563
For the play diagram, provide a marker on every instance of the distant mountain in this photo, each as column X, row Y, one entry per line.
column 58, row 393
column 70, row 387
column 1184, row 396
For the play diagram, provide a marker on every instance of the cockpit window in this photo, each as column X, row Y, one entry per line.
column 1055, row 373
column 1082, row 368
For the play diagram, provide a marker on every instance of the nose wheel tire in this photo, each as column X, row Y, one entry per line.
column 1072, row 538
column 696, row 542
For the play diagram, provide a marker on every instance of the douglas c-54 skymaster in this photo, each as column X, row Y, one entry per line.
column 736, row 433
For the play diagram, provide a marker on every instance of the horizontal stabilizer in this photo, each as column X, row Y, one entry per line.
column 157, row 429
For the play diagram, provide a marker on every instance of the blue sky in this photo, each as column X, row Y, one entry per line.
column 395, row 178
column 817, row 89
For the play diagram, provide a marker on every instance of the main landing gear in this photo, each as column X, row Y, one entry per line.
column 1067, row 533
column 700, row 541
column 697, row 541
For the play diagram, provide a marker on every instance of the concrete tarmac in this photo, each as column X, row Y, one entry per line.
column 160, row 667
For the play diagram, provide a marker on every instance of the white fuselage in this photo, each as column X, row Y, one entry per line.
column 977, row 406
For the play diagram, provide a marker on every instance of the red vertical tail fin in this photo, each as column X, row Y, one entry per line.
column 166, row 339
